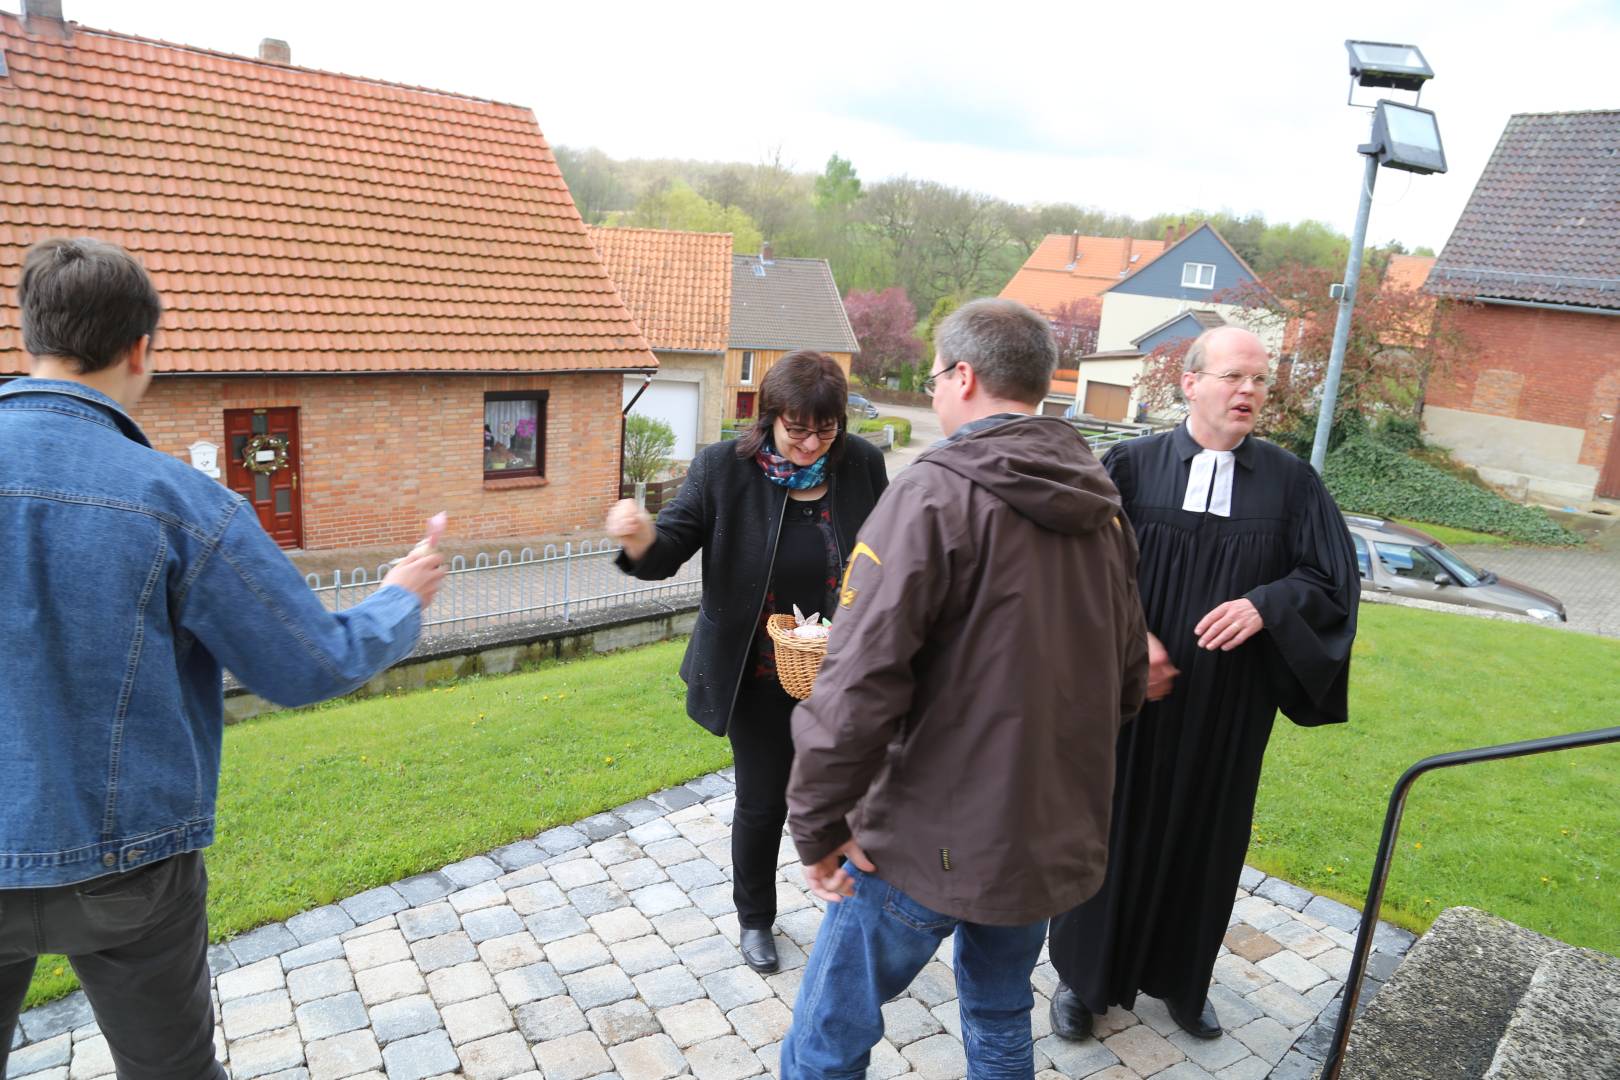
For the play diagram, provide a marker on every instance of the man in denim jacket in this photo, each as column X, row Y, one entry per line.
column 129, row 580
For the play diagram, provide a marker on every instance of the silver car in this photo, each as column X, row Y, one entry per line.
column 1402, row 561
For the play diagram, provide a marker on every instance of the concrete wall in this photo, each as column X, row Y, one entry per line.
column 1530, row 459
column 382, row 453
column 502, row 652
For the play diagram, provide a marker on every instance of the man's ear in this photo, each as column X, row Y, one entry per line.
column 967, row 378
column 138, row 355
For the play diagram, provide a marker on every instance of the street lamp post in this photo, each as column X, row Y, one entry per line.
column 1403, row 137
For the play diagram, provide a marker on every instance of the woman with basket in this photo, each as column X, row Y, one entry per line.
column 775, row 515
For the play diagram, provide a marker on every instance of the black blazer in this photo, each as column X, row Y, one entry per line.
column 729, row 509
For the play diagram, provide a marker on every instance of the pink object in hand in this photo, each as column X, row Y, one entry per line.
column 435, row 529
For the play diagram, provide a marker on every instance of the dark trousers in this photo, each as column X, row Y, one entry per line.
column 139, row 944
column 762, row 752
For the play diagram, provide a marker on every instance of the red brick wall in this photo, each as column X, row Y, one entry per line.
column 383, row 452
column 1553, row 367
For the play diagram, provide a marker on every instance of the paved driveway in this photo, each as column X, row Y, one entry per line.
column 1586, row 579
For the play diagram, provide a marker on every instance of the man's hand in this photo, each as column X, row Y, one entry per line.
column 1161, row 672
column 831, row 881
column 422, row 571
column 1229, row 626
column 632, row 527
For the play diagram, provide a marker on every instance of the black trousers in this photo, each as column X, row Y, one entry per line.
column 139, row 944
column 762, row 752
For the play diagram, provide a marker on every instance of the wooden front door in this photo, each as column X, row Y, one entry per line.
column 270, row 480
column 1608, row 486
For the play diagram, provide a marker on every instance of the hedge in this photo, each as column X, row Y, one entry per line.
column 902, row 427
column 1368, row 478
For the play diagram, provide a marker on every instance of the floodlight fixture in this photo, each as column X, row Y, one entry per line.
column 1383, row 63
column 1403, row 137
column 1406, row 137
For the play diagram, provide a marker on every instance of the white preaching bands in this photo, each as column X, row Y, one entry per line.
column 1209, row 483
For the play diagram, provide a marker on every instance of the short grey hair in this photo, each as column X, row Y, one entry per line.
column 1197, row 352
column 1011, row 349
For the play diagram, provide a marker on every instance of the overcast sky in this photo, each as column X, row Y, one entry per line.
column 1134, row 106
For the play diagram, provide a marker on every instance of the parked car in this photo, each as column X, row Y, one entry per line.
column 859, row 406
column 1402, row 561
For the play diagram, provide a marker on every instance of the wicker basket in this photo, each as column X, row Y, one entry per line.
column 797, row 660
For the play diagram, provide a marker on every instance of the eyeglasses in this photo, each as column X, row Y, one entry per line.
column 796, row 433
column 928, row 383
column 1233, row 379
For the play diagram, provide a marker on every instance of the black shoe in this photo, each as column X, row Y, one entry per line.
column 1070, row 1019
column 759, row 949
column 1200, row 1023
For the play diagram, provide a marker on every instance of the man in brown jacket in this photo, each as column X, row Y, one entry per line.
column 958, row 750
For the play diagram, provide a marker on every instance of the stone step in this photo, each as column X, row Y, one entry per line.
column 1447, row 1006
column 1567, row 1027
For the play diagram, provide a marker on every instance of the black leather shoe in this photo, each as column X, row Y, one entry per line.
column 759, row 949
column 1070, row 1019
column 1200, row 1023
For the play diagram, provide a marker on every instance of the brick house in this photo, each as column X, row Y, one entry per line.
column 380, row 300
column 677, row 286
column 777, row 306
column 1537, row 250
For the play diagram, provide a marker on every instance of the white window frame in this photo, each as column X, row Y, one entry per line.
column 1197, row 273
column 745, row 369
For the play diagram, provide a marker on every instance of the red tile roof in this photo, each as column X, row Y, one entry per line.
column 302, row 221
column 1543, row 222
column 676, row 284
column 1065, row 268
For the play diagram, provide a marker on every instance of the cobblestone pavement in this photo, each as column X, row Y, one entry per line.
column 607, row 949
column 1587, row 580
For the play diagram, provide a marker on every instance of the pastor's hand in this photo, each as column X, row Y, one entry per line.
column 1229, row 626
column 1161, row 672
column 830, row 881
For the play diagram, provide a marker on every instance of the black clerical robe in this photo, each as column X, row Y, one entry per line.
column 1188, row 769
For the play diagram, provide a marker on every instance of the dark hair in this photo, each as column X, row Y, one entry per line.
column 1011, row 349
column 805, row 385
column 85, row 300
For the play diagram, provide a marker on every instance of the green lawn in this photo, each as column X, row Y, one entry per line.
column 1535, row 840
column 323, row 803
column 1455, row 537
column 326, row 802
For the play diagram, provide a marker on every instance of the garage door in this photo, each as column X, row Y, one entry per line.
column 675, row 403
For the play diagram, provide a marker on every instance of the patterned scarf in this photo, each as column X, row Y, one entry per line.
column 780, row 471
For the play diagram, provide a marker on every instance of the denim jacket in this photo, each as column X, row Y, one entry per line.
column 128, row 580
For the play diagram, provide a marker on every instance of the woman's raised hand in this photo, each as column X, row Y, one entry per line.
column 631, row 527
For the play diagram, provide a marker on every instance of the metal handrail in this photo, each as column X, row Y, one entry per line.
column 1386, row 852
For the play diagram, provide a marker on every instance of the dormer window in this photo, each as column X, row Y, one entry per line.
column 1197, row 275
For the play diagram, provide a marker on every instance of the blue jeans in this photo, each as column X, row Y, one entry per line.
column 871, row 946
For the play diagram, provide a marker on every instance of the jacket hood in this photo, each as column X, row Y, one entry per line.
column 1038, row 465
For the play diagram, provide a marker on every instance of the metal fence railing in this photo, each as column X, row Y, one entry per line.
column 559, row 583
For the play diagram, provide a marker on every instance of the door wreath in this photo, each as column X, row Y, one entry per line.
column 259, row 443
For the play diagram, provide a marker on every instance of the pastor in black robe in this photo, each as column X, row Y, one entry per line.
column 1188, row 769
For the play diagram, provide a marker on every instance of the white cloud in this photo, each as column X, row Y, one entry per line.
column 1134, row 107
